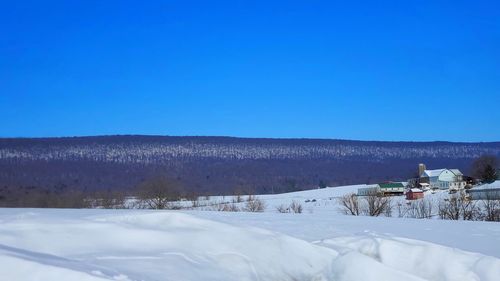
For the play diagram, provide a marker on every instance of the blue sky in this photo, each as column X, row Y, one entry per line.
column 368, row 70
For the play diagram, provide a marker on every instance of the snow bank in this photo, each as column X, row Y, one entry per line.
column 16, row 266
column 353, row 266
column 135, row 245
column 426, row 260
column 150, row 246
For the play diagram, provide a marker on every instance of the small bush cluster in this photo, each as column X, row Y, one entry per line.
column 254, row 204
column 372, row 205
column 457, row 207
column 226, row 208
column 417, row 209
column 238, row 199
column 294, row 207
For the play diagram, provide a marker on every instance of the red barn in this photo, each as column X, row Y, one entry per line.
column 414, row 194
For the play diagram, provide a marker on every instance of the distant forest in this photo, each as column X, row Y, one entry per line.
column 221, row 165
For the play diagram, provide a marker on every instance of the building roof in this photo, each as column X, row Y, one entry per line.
column 416, row 190
column 432, row 173
column 493, row 185
column 391, row 185
column 437, row 172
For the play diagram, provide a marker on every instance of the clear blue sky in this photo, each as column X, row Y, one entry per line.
column 369, row 70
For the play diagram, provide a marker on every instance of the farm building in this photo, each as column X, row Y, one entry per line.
column 414, row 194
column 490, row 191
column 424, row 186
column 441, row 178
column 365, row 191
column 391, row 188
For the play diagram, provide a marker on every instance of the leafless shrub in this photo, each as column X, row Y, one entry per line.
column 195, row 203
column 237, row 199
column 238, row 195
column 282, row 209
column 158, row 193
column 377, row 205
column 419, row 209
column 296, row 207
column 350, row 204
column 387, row 210
column 233, row 208
column 402, row 210
column 470, row 211
column 372, row 205
column 223, row 207
column 255, row 204
column 459, row 207
column 449, row 210
column 491, row 207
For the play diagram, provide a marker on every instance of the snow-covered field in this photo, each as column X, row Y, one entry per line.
column 319, row 244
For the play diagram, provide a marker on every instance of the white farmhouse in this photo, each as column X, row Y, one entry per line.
column 442, row 178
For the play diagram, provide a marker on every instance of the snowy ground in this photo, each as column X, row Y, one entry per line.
column 319, row 244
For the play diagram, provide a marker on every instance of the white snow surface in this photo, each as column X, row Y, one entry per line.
column 319, row 244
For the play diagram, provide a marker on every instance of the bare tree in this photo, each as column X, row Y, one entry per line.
column 158, row 193
column 459, row 207
column 449, row 209
column 388, row 208
column 377, row 205
column 469, row 210
column 419, row 209
column 491, row 206
column 350, row 204
column 402, row 210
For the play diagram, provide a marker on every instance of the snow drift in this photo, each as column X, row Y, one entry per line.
column 43, row 245
column 159, row 245
column 417, row 258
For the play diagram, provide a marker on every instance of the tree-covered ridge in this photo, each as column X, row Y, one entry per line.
column 157, row 150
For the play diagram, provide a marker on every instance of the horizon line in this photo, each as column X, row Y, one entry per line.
column 236, row 137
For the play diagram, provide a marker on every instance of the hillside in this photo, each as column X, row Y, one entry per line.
column 133, row 245
column 221, row 164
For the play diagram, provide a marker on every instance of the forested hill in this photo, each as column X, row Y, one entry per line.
column 222, row 164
